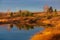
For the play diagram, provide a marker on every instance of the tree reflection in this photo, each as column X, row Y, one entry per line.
column 25, row 27
column 10, row 27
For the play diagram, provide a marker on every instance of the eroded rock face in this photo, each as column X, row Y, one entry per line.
column 47, row 34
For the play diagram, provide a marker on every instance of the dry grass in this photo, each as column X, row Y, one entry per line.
column 47, row 34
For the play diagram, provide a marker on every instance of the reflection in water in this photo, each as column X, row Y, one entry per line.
column 10, row 26
column 21, row 26
column 25, row 27
column 14, row 34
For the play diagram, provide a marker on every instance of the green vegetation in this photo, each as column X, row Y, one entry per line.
column 26, row 14
column 11, row 14
column 51, row 13
column 21, row 14
column 50, row 10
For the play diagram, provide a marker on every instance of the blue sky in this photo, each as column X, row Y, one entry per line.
column 31, row 5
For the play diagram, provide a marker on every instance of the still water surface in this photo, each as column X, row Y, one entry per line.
column 13, row 33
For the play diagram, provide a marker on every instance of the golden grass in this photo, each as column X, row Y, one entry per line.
column 48, row 34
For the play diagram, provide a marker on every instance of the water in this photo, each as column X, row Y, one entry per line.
column 16, row 33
